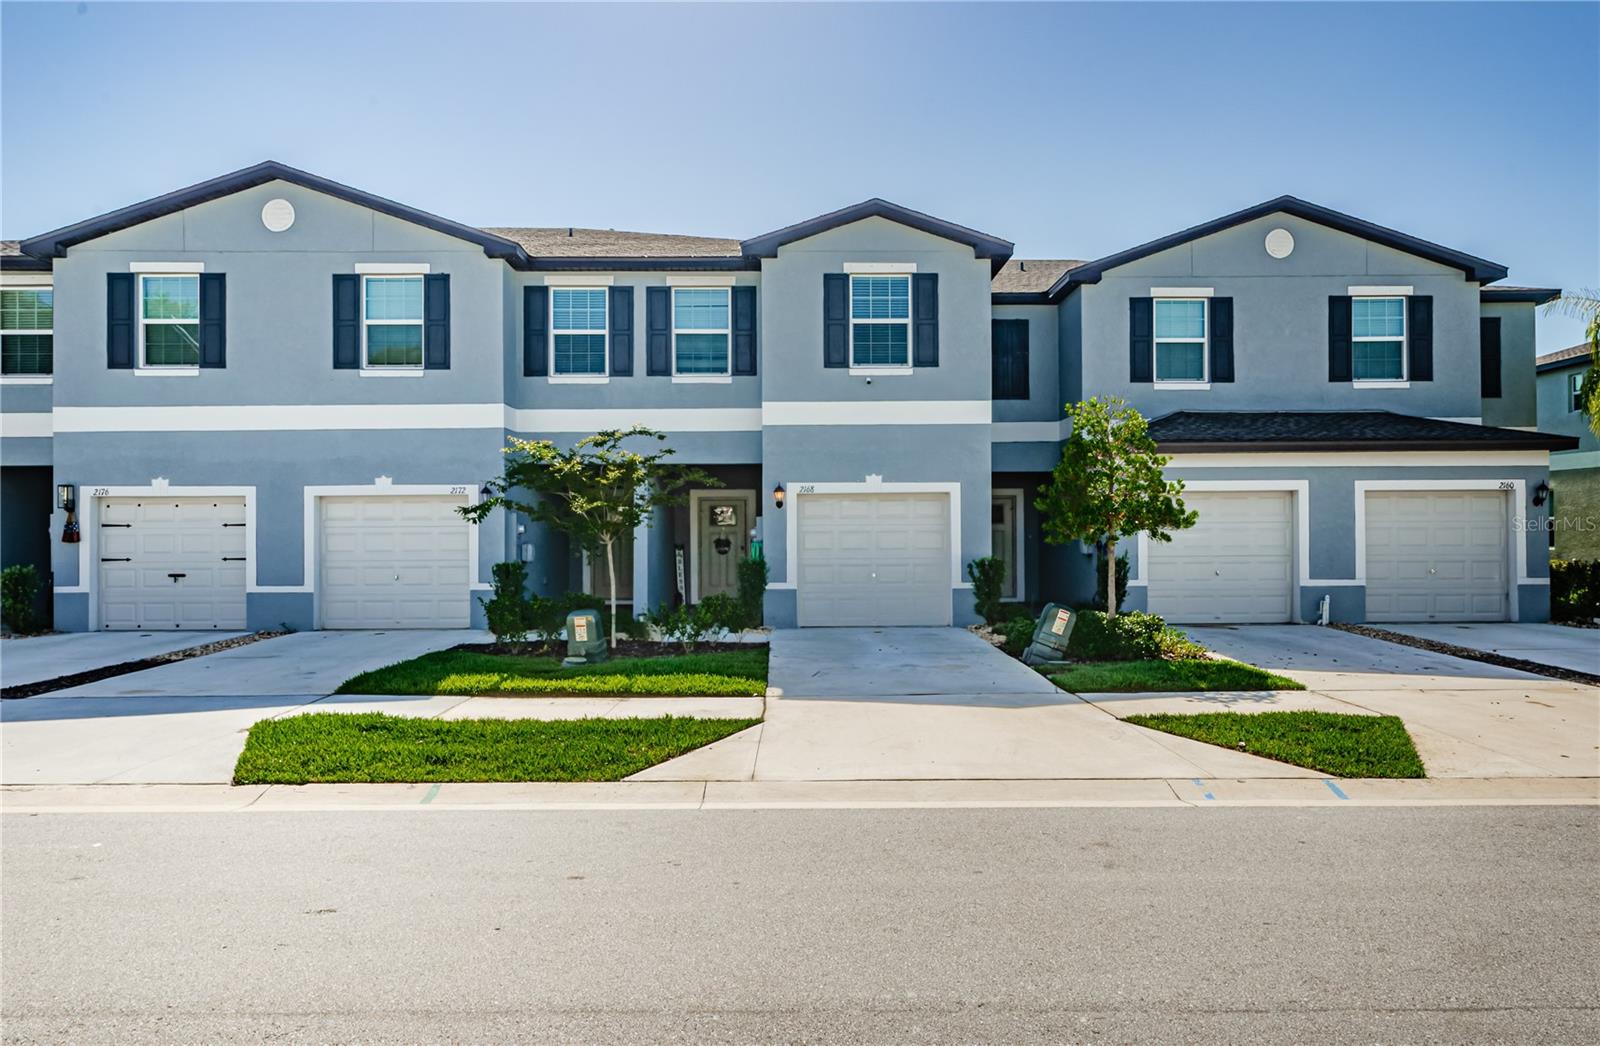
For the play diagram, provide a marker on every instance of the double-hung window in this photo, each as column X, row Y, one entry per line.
column 578, row 331
column 1574, row 390
column 169, row 320
column 1378, row 339
column 391, row 329
column 880, row 321
column 27, row 318
column 700, row 330
column 1180, row 339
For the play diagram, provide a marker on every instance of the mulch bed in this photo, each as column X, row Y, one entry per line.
column 1570, row 675
column 94, row 675
column 625, row 648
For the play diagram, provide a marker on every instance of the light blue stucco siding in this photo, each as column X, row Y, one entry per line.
column 1044, row 402
column 1516, row 406
column 25, row 424
column 1325, row 564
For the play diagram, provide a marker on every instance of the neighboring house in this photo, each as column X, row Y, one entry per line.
column 270, row 392
column 1575, row 473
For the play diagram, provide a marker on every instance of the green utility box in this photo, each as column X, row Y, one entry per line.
column 1050, row 636
column 586, row 639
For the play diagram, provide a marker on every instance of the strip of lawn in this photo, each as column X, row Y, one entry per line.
column 1130, row 677
column 1333, row 742
column 330, row 747
column 725, row 673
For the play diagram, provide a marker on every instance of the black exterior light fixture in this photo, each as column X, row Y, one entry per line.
column 1541, row 493
column 67, row 501
column 485, row 493
column 64, row 497
column 777, row 496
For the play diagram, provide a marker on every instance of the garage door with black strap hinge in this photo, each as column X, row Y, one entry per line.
column 173, row 562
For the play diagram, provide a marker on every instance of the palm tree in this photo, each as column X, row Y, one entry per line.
column 1585, row 305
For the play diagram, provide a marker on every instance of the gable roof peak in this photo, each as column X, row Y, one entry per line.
column 983, row 244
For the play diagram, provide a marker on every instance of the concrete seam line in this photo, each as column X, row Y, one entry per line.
column 1175, row 795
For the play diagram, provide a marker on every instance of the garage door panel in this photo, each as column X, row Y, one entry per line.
column 1436, row 556
column 150, row 539
column 874, row 559
column 1235, row 565
column 394, row 562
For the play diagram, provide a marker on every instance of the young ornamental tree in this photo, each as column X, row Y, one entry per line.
column 597, row 493
column 1109, row 485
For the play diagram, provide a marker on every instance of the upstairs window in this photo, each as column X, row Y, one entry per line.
column 27, row 320
column 169, row 320
column 1574, row 390
column 1378, row 339
column 392, row 321
column 700, row 330
column 880, row 321
column 578, row 330
column 1180, row 339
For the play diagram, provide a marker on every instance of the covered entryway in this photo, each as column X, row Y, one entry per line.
column 873, row 559
column 1235, row 565
column 394, row 561
column 171, row 562
column 1436, row 555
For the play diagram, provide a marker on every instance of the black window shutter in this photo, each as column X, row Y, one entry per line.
column 835, row 319
column 213, row 319
column 1339, row 362
column 436, row 321
column 1009, row 343
column 1419, row 339
column 119, row 320
column 346, row 321
column 1221, row 339
column 658, row 331
column 1141, row 339
column 535, row 314
column 1489, row 356
column 925, row 305
column 744, row 330
column 622, row 332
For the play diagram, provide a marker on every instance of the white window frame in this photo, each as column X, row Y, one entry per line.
column 602, row 376
column 1204, row 341
column 911, row 311
column 1574, row 387
column 711, row 377
column 32, row 379
column 1404, row 380
column 144, row 366
column 367, row 367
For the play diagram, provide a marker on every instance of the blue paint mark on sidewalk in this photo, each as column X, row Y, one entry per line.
column 429, row 797
column 1335, row 789
column 1201, row 785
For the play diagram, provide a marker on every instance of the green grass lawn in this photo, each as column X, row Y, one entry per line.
column 374, row 747
column 1129, row 677
column 732, row 673
column 1333, row 742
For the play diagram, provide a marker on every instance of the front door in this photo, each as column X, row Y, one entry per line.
column 1003, row 539
column 724, row 539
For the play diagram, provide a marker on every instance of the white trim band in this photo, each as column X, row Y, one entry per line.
column 877, row 412
column 393, row 268
column 284, row 417
column 1182, row 292
column 1380, row 292
column 666, row 419
column 26, row 424
column 888, row 268
column 578, row 280
column 167, row 267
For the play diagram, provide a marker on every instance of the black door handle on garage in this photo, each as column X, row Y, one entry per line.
column 175, row 577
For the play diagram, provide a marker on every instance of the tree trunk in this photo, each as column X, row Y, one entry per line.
column 1111, row 577
column 611, row 593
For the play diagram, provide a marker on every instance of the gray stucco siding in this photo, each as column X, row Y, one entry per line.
column 1044, row 402
column 1281, row 322
column 1556, row 414
column 1516, row 406
column 26, row 450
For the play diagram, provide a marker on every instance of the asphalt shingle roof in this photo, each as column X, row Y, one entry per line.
column 567, row 242
column 1562, row 358
column 1367, row 430
column 1030, row 275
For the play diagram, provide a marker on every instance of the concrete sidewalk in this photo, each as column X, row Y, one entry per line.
column 33, row 659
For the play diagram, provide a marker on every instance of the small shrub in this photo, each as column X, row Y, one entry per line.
column 1128, row 637
column 547, row 615
column 19, row 587
column 1018, row 633
column 1574, row 589
column 684, row 624
column 988, row 577
column 752, row 591
column 1100, row 582
column 506, row 610
column 720, row 612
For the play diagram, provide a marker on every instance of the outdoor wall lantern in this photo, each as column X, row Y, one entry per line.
column 485, row 494
column 1541, row 493
column 68, row 502
column 64, row 499
column 777, row 496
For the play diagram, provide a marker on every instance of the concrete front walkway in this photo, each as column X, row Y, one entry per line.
column 1559, row 645
column 32, row 659
column 931, row 704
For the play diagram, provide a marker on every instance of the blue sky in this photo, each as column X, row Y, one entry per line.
column 1074, row 130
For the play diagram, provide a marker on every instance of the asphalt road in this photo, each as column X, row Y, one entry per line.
column 1088, row 925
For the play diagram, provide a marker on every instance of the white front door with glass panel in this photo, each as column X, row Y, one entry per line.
column 724, row 524
column 1004, row 529
column 174, row 563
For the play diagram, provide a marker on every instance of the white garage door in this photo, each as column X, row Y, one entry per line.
column 1234, row 565
column 172, row 562
column 394, row 562
column 1436, row 556
column 874, row 559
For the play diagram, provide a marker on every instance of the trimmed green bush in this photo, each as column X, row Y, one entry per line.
column 1128, row 637
column 1018, row 633
column 19, row 587
column 506, row 610
column 752, row 591
column 988, row 577
column 1574, row 589
column 1100, row 582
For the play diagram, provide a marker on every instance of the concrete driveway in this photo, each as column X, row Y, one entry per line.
column 31, row 659
column 936, row 703
column 1558, row 645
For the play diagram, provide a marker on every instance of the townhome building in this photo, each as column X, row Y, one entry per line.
column 1575, row 473
column 260, row 400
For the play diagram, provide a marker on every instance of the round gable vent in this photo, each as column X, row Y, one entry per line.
column 1280, row 243
column 277, row 215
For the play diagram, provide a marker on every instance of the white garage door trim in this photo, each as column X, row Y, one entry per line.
column 795, row 490
column 1268, row 584
column 873, row 559
column 1514, row 489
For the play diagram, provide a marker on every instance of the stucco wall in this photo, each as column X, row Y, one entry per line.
column 1516, row 405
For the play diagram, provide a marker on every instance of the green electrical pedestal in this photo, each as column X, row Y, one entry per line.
column 586, row 639
column 1050, row 636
